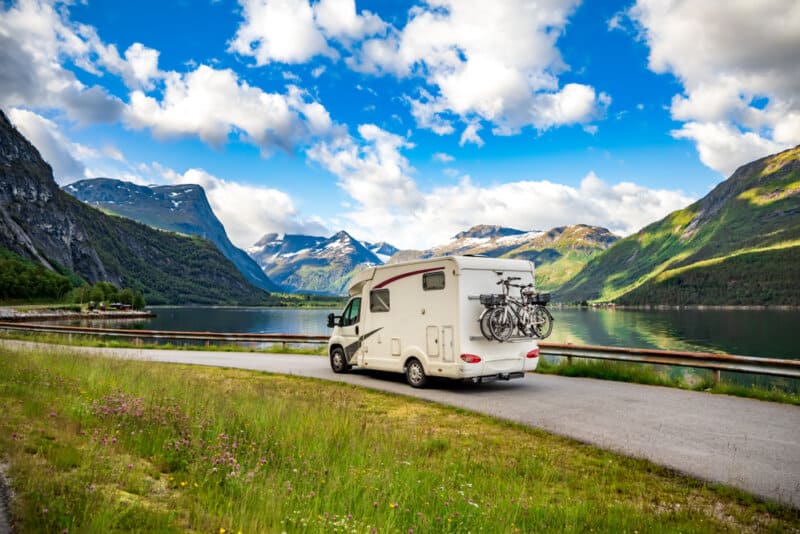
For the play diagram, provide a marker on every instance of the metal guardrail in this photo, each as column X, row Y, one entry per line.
column 165, row 334
column 703, row 360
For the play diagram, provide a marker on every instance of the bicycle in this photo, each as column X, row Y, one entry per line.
column 504, row 314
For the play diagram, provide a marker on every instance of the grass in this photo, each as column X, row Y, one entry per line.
column 97, row 445
column 658, row 376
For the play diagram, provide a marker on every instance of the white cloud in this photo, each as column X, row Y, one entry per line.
column 294, row 31
column 738, row 63
column 279, row 30
column 35, row 38
column 372, row 171
column 470, row 134
column 443, row 157
column 213, row 103
column 498, row 65
column 53, row 146
column 389, row 205
column 247, row 211
column 723, row 147
column 338, row 19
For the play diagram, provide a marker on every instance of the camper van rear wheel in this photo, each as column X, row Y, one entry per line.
column 415, row 374
column 339, row 361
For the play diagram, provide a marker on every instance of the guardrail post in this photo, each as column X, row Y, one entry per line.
column 715, row 376
column 137, row 341
column 283, row 345
column 569, row 360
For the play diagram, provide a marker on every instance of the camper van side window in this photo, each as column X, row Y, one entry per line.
column 351, row 313
column 432, row 281
column 379, row 300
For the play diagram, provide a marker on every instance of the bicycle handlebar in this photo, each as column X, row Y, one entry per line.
column 507, row 282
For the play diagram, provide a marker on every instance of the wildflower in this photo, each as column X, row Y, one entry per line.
column 393, row 505
column 222, row 530
column 130, row 466
column 45, row 510
column 184, row 483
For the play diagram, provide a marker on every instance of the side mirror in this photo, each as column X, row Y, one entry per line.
column 331, row 320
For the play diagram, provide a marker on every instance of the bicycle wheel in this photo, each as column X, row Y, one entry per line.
column 501, row 324
column 542, row 322
column 483, row 320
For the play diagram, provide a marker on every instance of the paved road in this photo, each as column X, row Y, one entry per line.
column 749, row 444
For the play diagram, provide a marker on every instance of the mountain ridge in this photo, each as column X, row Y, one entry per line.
column 40, row 222
column 178, row 208
column 558, row 253
column 310, row 263
column 738, row 245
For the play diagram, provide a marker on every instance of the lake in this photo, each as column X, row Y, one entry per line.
column 763, row 333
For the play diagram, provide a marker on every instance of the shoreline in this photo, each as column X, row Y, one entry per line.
column 14, row 316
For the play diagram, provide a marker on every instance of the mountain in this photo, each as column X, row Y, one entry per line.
column 40, row 222
column 739, row 245
column 559, row 254
column 179, row 208
column 313, row 264
column 383, row 250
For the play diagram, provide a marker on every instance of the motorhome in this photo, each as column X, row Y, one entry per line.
column 421, row 318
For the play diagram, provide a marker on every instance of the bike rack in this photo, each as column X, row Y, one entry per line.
column 512, row 339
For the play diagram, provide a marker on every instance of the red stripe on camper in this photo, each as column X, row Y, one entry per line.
column 405, row 275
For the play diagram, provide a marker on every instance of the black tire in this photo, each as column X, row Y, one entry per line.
column 339, row 361
column 415, row 374
column 501, row 324
column 542, row 322
column 484, row 323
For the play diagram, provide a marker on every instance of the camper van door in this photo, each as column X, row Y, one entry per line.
column 350, row 328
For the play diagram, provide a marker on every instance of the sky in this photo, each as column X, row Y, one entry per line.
column 407, row 122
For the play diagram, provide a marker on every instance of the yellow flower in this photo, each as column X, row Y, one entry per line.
column 183, row 484
column 222, row 530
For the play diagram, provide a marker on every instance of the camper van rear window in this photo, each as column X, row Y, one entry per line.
column 432, row 281
column 379, row 300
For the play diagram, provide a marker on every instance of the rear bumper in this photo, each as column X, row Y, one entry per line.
column 495, row 377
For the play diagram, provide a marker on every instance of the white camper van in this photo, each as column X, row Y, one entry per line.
column 421, row 318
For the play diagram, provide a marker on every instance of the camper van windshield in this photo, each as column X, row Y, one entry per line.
column 350, row 315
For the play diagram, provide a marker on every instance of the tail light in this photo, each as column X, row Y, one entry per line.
column 471, row 358
column 533, row 354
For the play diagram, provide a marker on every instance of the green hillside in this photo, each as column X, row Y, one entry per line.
column 562, row 252
column 23, row 279
column 739, row 245
column 166, row 267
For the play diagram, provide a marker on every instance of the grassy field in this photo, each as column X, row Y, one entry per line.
column 99, row 445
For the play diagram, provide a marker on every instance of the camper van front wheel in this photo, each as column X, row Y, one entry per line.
column 339, row 361
column 415, row 374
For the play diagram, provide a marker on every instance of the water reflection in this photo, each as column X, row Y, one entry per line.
column 761, row 333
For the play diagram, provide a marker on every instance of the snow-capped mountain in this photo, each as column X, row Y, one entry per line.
column 314, row 264
column 383, row 250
